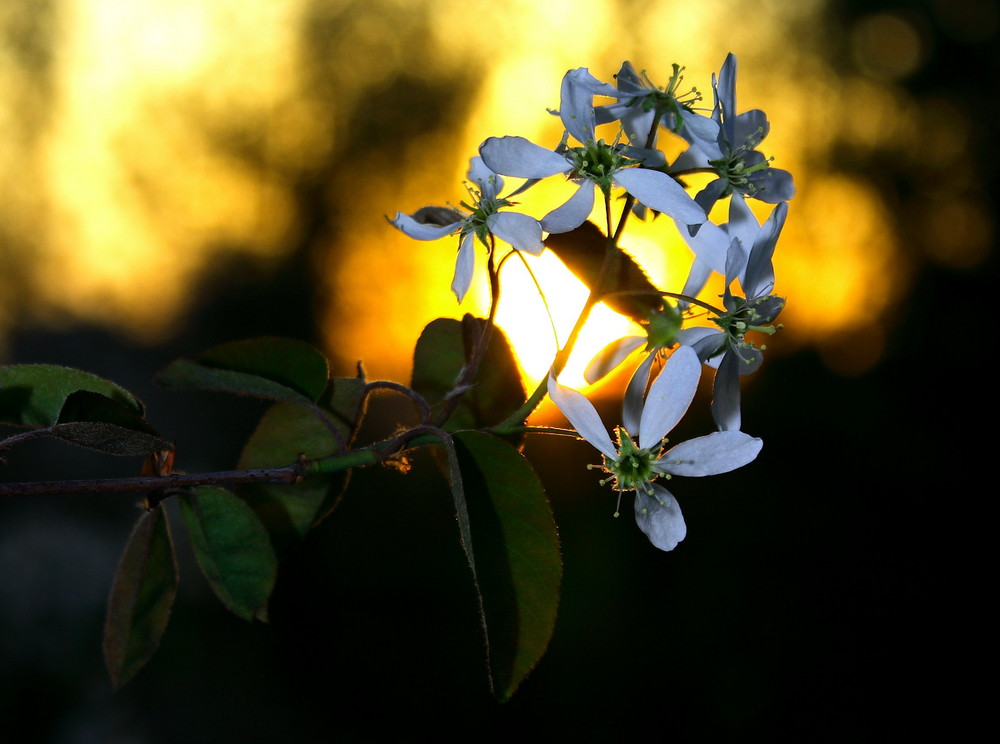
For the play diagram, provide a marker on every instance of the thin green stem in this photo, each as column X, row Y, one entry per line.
column 675, row 295
column 626, row 211
column 693, row 171
column 553, row 430
column 541, row 294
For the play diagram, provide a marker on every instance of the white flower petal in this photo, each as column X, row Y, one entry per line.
column 659, row 516
column 516, row 156
column 520, row 230
column 742, row 222
column 573, row 213
column 635, row 395
column 710, row 455
column 726, row 394
column 707, row 342
column 772, row 185
column 697, row 278
column 710, row 245
column 750, row 128
column 464, row 265
column 759, row 278
column 697, row 155
column 582, row 77
column 421, row 231
column 750, row 359
column 636, row 122
column 583, row 416
column 660, row 192
column 489, row 182
column 702, row 128
column 576, row 102
column 610, row 357
column 669, row 396
column 736, row 261
column 725, row 94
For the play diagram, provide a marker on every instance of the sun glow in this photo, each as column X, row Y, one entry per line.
column 539, row 328
column 148, row 141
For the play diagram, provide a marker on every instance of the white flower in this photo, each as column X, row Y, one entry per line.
column 635, row 467
column 732, row 154
column 485, row 218
column 593, row 164
column 641, row 103
column 748, row 248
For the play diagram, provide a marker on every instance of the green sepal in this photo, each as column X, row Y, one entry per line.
column 232, row 548
column 142, row 596
column 511, row 542
column 662, row 327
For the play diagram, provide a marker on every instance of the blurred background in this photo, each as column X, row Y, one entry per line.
column 176, row 174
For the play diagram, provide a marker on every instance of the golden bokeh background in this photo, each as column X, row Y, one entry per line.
column 179, row 173
column 146, row 142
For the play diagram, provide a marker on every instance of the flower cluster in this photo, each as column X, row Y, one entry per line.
column 681, row 331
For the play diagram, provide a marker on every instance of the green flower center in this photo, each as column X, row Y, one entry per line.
column 634, row 467
column 597, row 162
column 480, row 210
column 747, row 317
column 737, row 171
column 667, row 101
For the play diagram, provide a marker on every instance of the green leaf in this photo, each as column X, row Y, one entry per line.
column 100, row 423
column 285, row 431
column 110, row 439
column 141, row 597
column 86, row 405
column 583, row 251
column 344, row 400
column 34, row 394
column 269, row 367
column 93, row 420
column 442, row 351
column 514, row 555
column 232, row 548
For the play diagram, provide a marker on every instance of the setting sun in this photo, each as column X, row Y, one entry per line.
column 183, row 134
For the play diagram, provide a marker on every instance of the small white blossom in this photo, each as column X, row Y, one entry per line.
column 484, row 218
column 732, row 154
column 635, row 466
column 594, row 163
column 749, row 248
